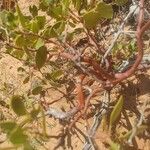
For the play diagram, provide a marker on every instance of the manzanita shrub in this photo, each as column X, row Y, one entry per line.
column 60, row 43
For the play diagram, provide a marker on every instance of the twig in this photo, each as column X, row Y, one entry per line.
column 97, row 120
column 19, row 48
column 118, row 33
column 140, row 31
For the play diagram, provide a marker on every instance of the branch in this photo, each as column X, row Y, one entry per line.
column 97, row 119
column 140, row 32
column 118, row 33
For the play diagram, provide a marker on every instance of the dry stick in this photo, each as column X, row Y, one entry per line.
column 97, row 120
column 92, row 38
column 118, row 34
column 84, row 112
column 80, row 94
column 78, row 64
column 85, row 107
column 55, row 113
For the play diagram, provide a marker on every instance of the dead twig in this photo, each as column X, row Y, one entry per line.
column 97, row 120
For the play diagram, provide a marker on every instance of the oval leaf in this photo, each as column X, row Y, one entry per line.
column 37, row 90
column 33, row 10
column 39, row 43
column 104, row 10
column 18, row 137
column 41, row 21
column 41, row 57
column 18, row 105
column 91, row 19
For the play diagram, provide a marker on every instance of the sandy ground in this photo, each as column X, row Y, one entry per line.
column 9, row 75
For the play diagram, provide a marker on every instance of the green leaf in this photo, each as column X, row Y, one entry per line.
column 17, row 136
column 10, row 16
column 61, row 27
column 34, row 26
column 41, row 20
column 19, row 41
column 104, row 10
column 20, row 69
column 120, row 2
column 33, row 10
column 3, row 17
column 39, row 43
column 55, row 30
column 65, row 8
column 28, row 146
column 18, row 53
column 37, row 90
column 17, row 105
column 55, row 12
column 41, row 57
column 8, row 126
column 11, row 20
column 21, row 17
column 52, row 33
column 91, row 19
column 114, row 146
column 132, row 46
column 116, row 111
column 56, row 75
column 31, row 39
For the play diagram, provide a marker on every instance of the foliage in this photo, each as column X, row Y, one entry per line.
column 58, row 41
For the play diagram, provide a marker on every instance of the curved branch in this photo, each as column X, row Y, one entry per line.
column 140, row 31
